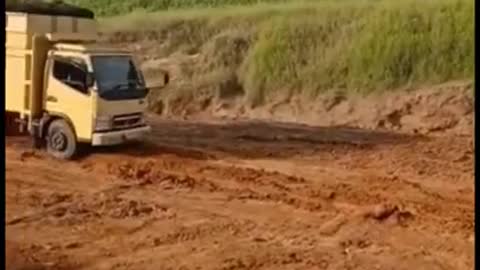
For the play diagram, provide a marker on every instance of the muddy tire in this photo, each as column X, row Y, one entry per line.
column 61, row 141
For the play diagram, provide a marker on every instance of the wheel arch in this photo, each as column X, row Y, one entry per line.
column 47, row 119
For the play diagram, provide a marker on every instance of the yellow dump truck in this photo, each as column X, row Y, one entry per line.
column 64, row 89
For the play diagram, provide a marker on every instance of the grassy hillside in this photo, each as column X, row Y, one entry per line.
column 308, row 47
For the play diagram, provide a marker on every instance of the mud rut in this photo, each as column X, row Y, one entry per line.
column 248, row 195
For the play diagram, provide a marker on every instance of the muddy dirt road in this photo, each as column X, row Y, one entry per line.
column 249, row 195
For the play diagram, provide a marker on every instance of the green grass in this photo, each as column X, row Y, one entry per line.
column 311, row 47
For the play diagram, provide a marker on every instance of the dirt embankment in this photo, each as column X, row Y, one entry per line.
column 208, row 83
column 437, row 110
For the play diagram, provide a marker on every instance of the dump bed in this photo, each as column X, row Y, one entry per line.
column 20, row 27
column 27, row 45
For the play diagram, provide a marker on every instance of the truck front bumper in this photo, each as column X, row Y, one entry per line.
column 119, row 137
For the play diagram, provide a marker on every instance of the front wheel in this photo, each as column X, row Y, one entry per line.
column 61, row 141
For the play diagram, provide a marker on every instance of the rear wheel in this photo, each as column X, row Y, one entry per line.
column 61, row 141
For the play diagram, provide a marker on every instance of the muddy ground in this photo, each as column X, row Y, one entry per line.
column 246, row 195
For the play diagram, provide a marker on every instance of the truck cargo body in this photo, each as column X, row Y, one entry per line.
column 28, row 41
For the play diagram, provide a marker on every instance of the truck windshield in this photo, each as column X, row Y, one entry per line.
column 117, row 78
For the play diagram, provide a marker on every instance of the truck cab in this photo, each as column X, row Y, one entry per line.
column 98, row 93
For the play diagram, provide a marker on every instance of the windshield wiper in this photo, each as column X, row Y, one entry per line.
column 121, row 85
column 128, row 92
column 127, row 84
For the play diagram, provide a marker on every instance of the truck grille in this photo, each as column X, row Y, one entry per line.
column 127, row 121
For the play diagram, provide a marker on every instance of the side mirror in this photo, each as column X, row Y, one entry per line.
column 166, row 80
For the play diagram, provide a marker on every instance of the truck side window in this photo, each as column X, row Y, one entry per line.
column 70, row 75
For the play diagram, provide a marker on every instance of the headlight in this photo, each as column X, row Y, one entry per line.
column 103, row 123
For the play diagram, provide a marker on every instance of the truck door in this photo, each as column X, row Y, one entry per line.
column 68, row 95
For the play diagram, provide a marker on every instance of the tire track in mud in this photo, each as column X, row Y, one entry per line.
column 202, row 231
column 235, row 182
column 259, row 253
column 374, row 181
column 67, row 209
column 35, row 257
column 277, row 257
column 312, row 221
column 429, row 180
column 241, row 184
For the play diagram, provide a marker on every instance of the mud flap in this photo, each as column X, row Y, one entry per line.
column 37, row 141
column 12, row 126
